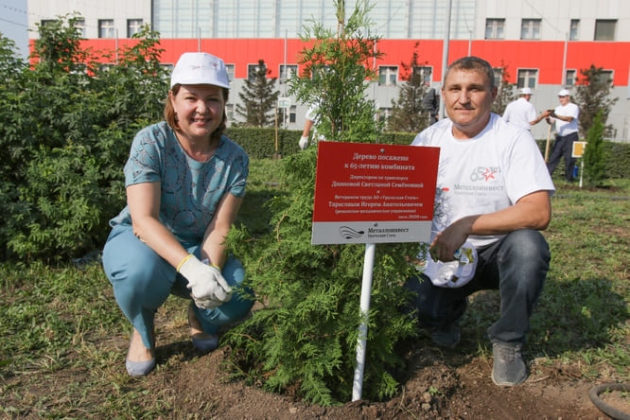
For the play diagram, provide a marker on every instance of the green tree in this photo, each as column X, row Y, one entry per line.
column 337, row 69
column 505, row 92
column 304, row 337
column 594, row 165
column 58, row 47
column 593, row 97
column 67, row 124
column 10, row 64
column 408, row 113
column 11, row 69
column 259, row 98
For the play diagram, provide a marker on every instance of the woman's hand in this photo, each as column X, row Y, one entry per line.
column 206, row 283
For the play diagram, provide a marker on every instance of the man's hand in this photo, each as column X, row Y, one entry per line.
column 208, row 287
column 450, row 239
column 303, row 142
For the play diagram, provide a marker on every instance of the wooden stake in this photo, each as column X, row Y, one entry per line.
column 547, row 145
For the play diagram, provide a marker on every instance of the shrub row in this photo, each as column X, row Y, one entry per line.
column 260, row 143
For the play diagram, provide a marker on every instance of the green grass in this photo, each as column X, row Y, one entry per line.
column 63, row 338
column 582, row 317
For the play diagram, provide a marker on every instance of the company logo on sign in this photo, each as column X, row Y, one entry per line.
column 349, row 233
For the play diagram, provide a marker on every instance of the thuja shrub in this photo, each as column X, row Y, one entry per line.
column 594, row 167
column 304, row 337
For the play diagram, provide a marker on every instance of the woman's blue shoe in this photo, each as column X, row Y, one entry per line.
column 139, row 368
column 201, row 340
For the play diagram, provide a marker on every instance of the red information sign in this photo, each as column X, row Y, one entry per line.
column 371, row 193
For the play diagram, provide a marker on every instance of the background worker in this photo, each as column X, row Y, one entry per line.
column 565, row 117
column 312, row 118
column 431, row 103
column 522, row 113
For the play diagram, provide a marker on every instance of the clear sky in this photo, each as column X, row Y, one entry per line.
column 14, row 24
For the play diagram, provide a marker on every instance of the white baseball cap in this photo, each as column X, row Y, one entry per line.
column 564, row 92
column 199, row 68
column 526, row 91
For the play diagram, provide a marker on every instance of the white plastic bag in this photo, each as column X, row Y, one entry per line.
column 453, row 273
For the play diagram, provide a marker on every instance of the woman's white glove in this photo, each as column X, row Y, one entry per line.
column 303, row 142
column 208, row 287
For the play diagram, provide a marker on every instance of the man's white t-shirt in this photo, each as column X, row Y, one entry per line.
column 311, row 113
column 564, row 128
column 520, row 113
column 484, row 174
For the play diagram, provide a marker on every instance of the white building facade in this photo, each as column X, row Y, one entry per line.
column 543, row 44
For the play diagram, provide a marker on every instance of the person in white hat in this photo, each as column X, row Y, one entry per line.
column 185, row 182
column 565, row 117
column 521, row 112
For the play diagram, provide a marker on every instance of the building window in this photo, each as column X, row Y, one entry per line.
column 384, row 114
column 48, row 22
column 229, row 112
column 530, row 29
column 252, row 69
column 569, row 78
column 494, row 28
column 229, row 68
column 498, row 76
column 527, row 78
column 133, row 27
column 605, row 76
column 318, row 71
column 574, row 29
column 287, row 72
column 387, row 75
column 605, row 29
column 292, row 113
column 79, row 24
column 106, row 28
column 425, row 73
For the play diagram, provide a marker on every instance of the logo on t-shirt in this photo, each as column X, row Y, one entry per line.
column 482, row 174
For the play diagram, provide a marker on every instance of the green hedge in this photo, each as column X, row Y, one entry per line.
column 617, row 157
column 260, row 143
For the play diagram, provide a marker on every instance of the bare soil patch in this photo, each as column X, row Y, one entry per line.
column 464, row 391
column 441, row 385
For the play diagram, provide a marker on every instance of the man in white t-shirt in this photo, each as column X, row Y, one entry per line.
column 521, row 112
column 493, row 191
column 312, row 119
column 565, row 116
